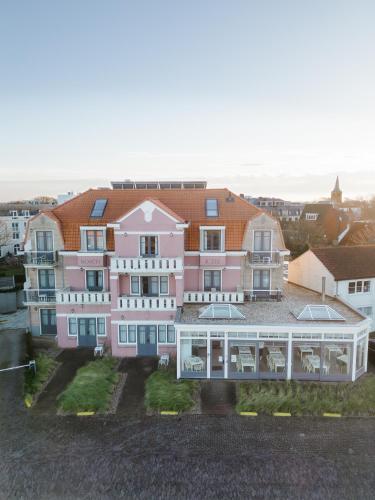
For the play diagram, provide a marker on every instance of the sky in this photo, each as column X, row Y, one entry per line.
column 266, row 97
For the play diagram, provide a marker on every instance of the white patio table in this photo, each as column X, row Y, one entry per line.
column 277, row 360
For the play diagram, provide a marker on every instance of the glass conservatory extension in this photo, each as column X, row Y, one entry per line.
column 218, row 352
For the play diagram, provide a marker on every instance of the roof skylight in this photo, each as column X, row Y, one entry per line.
column 319, row 313
column 98, row 208
column 221, row 311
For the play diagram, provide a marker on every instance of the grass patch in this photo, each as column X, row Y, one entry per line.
column 165, row 392
column 34, row 381
column 309, row 398
column 91, row 388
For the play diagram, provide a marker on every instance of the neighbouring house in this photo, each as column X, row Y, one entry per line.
column 13, row 221
column 349, row 272
column 332, row 223
column 188, row 271
column 360, row 233
column 287, row 211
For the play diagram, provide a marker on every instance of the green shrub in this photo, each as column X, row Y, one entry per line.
column 34, row 381
column 309, row 398
column 164, row 392
column 91, row 388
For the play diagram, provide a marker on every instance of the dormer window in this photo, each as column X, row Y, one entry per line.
column 14, row 214
column 94, row 240
column 212, row 208
column 149, row 246
column 26, row 213
column 311, row 216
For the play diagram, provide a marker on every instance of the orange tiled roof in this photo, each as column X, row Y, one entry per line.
column 188, row 204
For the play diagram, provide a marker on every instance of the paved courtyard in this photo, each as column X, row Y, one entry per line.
column 135, row 456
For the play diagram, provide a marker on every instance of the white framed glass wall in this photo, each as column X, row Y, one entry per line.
column 271, row 355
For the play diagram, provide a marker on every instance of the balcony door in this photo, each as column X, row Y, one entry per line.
column 87, row 332
column 46, row 279
column 150, row 286
column 147, row 341
column 44, row 246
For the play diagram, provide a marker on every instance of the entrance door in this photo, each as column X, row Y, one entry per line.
column 217, row 358
column 147, row 344
column 87, row 332
column 48, row 321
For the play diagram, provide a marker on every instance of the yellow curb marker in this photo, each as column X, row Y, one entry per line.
column 282, row 414
column 249, row 413
column 85, row 413
column 334, row 415
column 165, row 412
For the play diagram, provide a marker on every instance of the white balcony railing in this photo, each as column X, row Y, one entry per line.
column 146, row 265
column 147, row 303
column 37, row 296
column 40, row 258
column 264, row 258
column 214, row 297
column 67, row 296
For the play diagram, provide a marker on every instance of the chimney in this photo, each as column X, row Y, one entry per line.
column 242, row 195
column 323, row 289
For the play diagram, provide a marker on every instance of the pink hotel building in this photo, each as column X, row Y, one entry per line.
column 189, row 271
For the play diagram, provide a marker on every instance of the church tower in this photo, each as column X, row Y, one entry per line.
column 336, row 194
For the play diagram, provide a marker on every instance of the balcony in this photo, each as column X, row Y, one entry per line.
column 264, row 259
column 39, row 296
column 264, row 295
column 40, row 258
column 147, row 303
column 68, row 296
column 214, row 297
column 145, row 265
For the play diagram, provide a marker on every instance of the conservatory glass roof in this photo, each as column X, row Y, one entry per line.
column 221, row 311
column 319, row 313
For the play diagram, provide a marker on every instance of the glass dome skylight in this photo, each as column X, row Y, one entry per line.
column 221, row 311
column 319, row 313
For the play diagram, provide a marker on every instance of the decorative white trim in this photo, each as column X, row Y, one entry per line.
column 141, row 322
column 82, row 315
column 148, row 233
column 148, row 208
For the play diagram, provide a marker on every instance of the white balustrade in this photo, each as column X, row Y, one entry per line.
column 146, row 265
column 83, row 297
column 147, row 303
column 214, row 297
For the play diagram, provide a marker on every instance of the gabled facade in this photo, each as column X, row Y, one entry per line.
column 122, row 267
column 349, row 274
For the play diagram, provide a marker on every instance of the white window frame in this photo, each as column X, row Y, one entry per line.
column 157, row 254
column 84, row 229
column 88, row 269
column 202, row 230
column 311, row 216
column 359, row 284
column 127, row 334
column 221, row 278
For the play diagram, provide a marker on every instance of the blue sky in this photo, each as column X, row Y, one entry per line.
column 267, row 97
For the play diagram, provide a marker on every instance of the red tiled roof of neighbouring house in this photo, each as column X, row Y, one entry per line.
column 188, row 204
column 360, row 233
column 345, row 263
